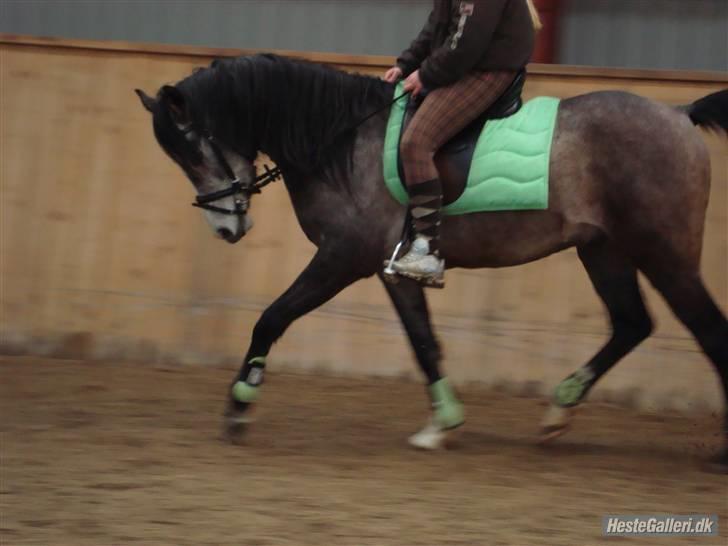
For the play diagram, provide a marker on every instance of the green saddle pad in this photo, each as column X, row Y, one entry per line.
column 510, row 166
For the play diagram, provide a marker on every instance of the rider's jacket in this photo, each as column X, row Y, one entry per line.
column 461, row 36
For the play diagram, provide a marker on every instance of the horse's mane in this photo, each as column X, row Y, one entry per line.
column 295, row 111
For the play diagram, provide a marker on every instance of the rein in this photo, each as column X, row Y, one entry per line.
column 242, row 192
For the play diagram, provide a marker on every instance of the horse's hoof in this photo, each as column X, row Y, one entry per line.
column 432, row 437
column 555, row 423
column 236, row 426
column 549, row 434
column 717, row 464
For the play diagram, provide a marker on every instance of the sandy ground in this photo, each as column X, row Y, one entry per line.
column 101, row 454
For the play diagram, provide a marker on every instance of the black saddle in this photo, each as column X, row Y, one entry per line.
column 453, row 159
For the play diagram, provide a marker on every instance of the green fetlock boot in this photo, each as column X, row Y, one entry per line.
column 448, row 414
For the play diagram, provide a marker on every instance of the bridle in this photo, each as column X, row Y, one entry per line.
column 239, row 191
column 242, row 192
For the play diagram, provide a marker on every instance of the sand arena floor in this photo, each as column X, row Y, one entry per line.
column 116, row 454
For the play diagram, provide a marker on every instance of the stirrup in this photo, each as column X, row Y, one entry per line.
column 419, row 264
column 430, row 281
column 392, row 276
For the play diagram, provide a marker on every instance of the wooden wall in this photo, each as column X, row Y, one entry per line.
column 102, row 256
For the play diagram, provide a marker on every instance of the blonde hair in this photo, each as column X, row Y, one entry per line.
column 534, row 15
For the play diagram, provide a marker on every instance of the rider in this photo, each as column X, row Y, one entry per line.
column 466, row 56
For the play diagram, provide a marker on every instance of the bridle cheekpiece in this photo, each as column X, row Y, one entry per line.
column 239, row 191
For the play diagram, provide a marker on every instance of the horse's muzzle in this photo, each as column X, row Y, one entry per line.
column 244, row 226
column 227, row 235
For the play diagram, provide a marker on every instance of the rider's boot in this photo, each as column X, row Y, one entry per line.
column 423, row 262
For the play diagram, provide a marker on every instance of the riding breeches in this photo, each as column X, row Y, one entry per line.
column 443, row 114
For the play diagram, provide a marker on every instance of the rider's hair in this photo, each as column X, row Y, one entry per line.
column 534, row 15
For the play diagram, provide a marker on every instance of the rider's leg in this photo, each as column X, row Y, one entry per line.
column 444, row 113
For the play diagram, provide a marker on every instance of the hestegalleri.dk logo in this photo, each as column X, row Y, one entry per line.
column 660, row 525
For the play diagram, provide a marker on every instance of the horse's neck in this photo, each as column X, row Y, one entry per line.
column 368, row 126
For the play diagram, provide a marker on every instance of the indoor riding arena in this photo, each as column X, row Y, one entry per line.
column 124, row 320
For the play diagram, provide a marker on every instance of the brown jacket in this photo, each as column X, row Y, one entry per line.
column 461, row 36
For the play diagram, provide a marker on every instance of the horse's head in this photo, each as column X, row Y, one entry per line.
column 223, row 178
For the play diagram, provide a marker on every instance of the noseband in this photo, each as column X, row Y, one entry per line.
column 241, row 192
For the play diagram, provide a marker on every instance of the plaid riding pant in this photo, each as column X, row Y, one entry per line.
column 443, row 114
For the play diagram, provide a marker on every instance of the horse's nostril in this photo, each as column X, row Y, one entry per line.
column 224, row 233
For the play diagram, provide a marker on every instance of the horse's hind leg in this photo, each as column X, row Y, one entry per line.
column 685, row 293
column 409, row 300
column 615, row 280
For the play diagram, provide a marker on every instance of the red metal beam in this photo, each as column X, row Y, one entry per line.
column 547, row 38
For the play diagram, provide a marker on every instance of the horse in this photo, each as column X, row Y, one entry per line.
column 324, row 129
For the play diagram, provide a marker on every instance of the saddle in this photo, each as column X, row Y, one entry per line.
column 454, row 158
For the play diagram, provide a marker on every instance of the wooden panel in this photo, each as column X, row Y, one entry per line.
column 351, row 61
column 101, row 256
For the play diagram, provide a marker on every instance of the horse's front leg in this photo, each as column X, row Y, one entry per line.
column 328, row 274
column 409, row 300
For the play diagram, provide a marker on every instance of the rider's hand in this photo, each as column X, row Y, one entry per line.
column 393, row 74
column 413, row 83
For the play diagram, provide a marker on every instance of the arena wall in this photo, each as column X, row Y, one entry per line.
column 103, row 258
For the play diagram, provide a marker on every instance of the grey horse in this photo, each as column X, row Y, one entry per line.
column 629, row 187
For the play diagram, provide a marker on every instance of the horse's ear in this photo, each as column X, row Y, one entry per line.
column 177, row 104
column 147, row 101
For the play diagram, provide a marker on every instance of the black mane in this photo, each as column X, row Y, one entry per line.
column 296, row 112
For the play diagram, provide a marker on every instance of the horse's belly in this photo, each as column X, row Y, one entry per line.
column 501, row 239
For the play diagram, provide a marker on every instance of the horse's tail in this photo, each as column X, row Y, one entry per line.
column 710, row 112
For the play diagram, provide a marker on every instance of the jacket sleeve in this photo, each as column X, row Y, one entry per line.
column 411, row 58
column 462, row 50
